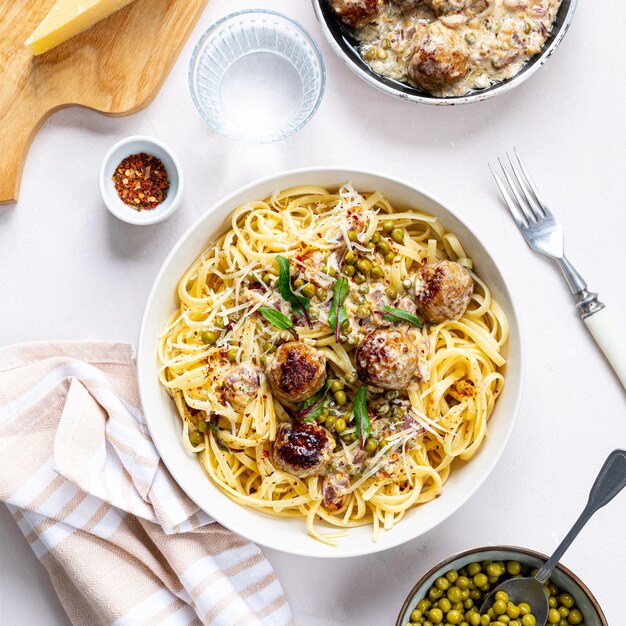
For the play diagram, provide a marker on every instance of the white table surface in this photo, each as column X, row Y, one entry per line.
column 69, row 270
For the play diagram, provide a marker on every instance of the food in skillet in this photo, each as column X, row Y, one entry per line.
column 448, row 47
column 331, row 356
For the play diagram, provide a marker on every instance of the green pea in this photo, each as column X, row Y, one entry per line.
column 208, row 337
column 359, row 279
column 566, row 600
column 299, row 282
column 352, row 235
column 392, row 394
column 348, row 270
column 196, row 438
column 462, row 582
column 513, row 568
column 232, row 355
column 553, row 602
column 501, row 595
column 376, row 272
column 387, row 226
column 321, row 294
column 263, row 359
column 390, row 256
column 514, row 622
column 512, row 610
column 503, row 619
column 485, row 620
column 527, row 28
column 391, row 293
column 340, row 398
column 424, row 605
column 473, row 618
column 529, row 620
column 444, row 604
column 499, row 606
column 407, row 283
column 376, row 238
column 335, row 385
column 371, row 445
column 524, row 607
column 470, row 38
column 308, row 290
column 363, row 289
column 564, row 611
column 553, row 616
column 575, row 617
column 435, row 616
column 442, row 583
column 330, row 422
column 468, row 603
column 455, row 594
column 340, row 425
column 203, row 426
column 480, row 580
column 454, row 617
column 267, row 278
column 363, row 311
column 397, row 234
column 475, row 595
column 434, row 593
column 350, row 258
column 384, row 246
column 219, row 322
column 332, row 272
column 364, row 266
column 370, row 245
column 416, row 615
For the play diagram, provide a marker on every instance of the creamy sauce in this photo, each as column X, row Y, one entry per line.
column 497, row 40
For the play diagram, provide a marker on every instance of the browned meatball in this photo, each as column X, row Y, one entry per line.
column 439, row 61
column 386, row 359
column 241, row 385
column 443, row 291
column 355, row 13
column 302, row 449
column 296, row 372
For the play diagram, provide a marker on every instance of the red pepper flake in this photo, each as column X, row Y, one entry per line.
column 141, row 181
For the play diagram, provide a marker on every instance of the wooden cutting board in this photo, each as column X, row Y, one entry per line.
column 116, row 67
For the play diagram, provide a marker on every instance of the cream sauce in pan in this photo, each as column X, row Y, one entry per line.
column 478, row 42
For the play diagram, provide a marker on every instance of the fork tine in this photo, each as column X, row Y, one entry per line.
column 532, row 185
column 528, row 213
column 536, row 210
column 518, row 216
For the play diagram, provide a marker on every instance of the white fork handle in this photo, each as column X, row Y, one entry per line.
column 611, row 338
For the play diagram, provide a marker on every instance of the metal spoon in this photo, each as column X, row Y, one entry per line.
column 610, row 481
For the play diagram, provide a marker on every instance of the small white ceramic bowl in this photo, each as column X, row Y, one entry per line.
column 289, row 534
column 135, row 145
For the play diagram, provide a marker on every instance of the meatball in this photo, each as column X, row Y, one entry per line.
column 439, row 61
column 443, row 291
column 302, row 449
column 386, row 359
column 296, row 372
column 241, row 385
column 355, row 13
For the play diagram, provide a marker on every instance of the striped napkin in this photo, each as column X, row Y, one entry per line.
column 121, row 542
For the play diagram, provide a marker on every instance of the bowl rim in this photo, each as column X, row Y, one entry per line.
column 479, row 96
column 515, row 322
column 507, row 548
column 193, row 64
column 130, row 215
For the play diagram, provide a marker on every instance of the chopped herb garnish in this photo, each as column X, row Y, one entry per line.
column 298, row 303
column 361, row 415
column 392, row 314
column 280, row 320
column 338, row 316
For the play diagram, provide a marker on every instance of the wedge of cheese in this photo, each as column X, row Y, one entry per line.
column 68, row 18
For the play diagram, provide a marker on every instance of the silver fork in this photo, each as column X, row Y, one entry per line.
column 544, row 235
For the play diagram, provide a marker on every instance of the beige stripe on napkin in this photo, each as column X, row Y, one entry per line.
column 123, row 545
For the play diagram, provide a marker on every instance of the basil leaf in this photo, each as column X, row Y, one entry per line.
column 361, row 415
column 299, row 303
column 280, row 320
column 392, row 314
column 337, row 316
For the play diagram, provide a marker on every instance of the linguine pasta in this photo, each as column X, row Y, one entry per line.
column 416, row 432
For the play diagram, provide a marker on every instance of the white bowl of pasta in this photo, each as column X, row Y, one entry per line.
column 390, row 438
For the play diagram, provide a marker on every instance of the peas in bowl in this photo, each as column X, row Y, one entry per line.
column 452, row 592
